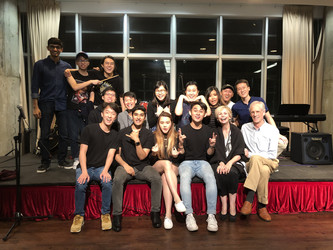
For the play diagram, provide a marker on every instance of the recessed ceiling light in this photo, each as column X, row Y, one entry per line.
column 274, row 51
column 212, row 39
column 131, row 47
column 203, row 48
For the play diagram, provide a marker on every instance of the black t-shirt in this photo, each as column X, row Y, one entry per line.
column 99, row 143
column 76, row 99
column 196, row 142
column 152, row 109
column 128, row 148
column 116, row 83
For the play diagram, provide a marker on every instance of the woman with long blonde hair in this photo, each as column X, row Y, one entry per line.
column 165, row 155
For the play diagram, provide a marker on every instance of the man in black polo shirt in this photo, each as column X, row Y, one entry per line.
column 135, row 143
column 98, row 146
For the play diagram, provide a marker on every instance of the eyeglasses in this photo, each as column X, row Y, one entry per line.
column 83, row 61
column 110, row 94
column 160, row 90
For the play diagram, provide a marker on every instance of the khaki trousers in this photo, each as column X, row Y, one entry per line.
column 259, row 170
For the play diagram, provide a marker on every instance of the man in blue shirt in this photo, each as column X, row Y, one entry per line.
column 240, row 110
column 49, row 95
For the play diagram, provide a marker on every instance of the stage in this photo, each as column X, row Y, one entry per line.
column 293, row 188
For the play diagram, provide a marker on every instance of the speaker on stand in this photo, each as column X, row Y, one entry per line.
column 311, row 148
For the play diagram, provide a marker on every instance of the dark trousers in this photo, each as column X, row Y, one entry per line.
column 48, row 110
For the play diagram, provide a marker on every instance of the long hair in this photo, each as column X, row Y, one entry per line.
column 115, row 70
column 210, row 90
column 171, row 137
column 166, row 101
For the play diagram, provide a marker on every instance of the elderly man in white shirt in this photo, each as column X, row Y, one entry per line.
column 261, row 139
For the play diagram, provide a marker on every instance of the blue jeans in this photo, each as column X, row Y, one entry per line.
column 202, row 169
column 80, row 191
column 48, row 110
column 75, row 126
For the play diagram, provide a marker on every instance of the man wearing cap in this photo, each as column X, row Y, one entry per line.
column 227, row 92
column 79, row 102
column 49, row 95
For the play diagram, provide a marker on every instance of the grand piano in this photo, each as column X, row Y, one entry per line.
column 298, row 113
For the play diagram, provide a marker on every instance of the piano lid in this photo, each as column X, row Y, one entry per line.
column 293, row 109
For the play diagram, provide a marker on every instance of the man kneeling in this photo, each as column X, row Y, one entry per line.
column 261, row 140
column 98, row 146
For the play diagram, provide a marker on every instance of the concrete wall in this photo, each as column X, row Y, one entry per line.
column 9, row 74
column 327, row 108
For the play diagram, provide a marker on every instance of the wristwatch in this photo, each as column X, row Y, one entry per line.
column 137, row 143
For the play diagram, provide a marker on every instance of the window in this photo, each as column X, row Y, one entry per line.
column 242, row 36
column 275, row 37
column 196, row 35
column 100, row 34
column 67, row 32
column 149, row 35
column 273, row 93
column 203, row 72
column 145, row 73
column 249, row 70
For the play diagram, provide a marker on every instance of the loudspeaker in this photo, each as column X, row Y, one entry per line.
column 311, row 148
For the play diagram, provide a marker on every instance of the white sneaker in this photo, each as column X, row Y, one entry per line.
column 212, row 223
column 180, row 207
column 76, row 163
column 191, row 224
column 168, row 223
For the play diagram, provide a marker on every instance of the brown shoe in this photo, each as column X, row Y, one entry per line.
column 246, row 208
column 264, row 215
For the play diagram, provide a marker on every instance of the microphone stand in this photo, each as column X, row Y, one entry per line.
column 18, row 214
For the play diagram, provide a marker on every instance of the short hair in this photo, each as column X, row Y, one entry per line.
column 139, row 107
column 220, row 108
column 242, row 81
column 191, row 83
column 201, row 104
column 112, row 105
column 129, row 94
column 107, row 89
column 260, row 104
column 55, row 40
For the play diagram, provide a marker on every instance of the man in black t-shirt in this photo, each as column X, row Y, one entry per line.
column 198, row 144
column 98, row 146
column 135, row 143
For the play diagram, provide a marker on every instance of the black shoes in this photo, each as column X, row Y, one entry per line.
column 224, row 217
column 155, row 219
column 43, row 168
column 232, row 218
column 116, row 223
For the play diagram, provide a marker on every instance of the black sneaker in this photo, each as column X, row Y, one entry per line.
column 43, row 168
column 65, row 164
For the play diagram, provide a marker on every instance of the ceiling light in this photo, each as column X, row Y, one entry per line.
column 203, row 49
column 212, row 40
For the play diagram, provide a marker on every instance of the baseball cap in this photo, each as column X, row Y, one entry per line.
column 228, row 86
column 83, row 54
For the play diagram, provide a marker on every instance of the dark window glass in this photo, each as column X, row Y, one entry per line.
column 196, row 35
column 275, row 37
column 71, row 61
column 242, row 36
column 145, row 73
column 203, row 72
column 24, row 30
column 149, row 35
column 100, row 34
column 249, row 70
column 273, row 92
column 67, row 32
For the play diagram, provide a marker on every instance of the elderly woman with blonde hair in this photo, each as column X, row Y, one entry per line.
column 227, row 161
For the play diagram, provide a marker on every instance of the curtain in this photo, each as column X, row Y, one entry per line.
column 43, row 23
column 297, row 58
column 23, row 96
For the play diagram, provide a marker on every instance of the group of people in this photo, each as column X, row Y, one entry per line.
column 208, row 136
